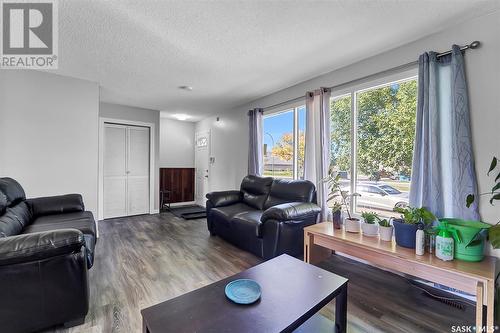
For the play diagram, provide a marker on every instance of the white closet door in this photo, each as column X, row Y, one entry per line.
column 115, row 171
column 138, row 170
column 126, row 170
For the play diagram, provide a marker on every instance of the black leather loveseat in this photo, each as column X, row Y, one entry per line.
column 46, row 248
column 265, row 217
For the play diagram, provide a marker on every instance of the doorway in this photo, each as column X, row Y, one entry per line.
column 125, row 169
column 202, row 173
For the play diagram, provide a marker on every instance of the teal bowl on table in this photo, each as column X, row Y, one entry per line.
column 243, row 291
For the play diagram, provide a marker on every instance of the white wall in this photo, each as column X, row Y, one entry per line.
column 229, row 146
column 48, row 133
column 230, row 140
column 130, row 113
column 176, row 143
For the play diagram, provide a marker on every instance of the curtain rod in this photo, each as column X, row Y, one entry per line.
column 473, row 45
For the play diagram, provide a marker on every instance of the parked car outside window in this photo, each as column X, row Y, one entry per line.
column 379, row 196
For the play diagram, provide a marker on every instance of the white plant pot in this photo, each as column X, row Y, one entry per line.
column 352, row 225
column 386, row 233
column 370, row 230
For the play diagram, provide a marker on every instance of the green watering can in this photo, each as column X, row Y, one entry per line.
column 469, row 238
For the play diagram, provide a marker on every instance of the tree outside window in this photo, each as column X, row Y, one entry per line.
column 385, row 132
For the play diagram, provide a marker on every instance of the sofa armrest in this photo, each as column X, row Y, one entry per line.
column 224, row 198
column 56, row 205
column 292, row 211
column 39, row 245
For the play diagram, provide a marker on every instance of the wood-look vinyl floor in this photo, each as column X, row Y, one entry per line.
column 144, row 260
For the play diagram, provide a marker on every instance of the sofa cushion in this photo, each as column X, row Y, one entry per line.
column 14, row 220
column 255, row 190
column 12, row 190
column 248, row 223
column 3, row 203
column 83, row 221
column 287, row 190
column 60, row 204
column 226, row 213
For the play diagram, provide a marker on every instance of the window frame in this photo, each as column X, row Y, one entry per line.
column 295, row 127
column 353, row 91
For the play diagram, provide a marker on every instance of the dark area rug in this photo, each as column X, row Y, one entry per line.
column 189, row 212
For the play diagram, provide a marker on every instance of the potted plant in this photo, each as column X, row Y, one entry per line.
column 492, row 232
column 369, row 227
column 333, row 181
column 337, row 215
column 405, row 228
column 351, row 223
column 385, row 229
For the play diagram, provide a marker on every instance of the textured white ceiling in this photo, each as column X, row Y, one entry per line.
column 233, row 52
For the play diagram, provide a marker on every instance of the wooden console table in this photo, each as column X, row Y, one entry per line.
column 476, row 278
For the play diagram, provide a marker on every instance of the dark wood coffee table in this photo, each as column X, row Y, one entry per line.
column 292, row 292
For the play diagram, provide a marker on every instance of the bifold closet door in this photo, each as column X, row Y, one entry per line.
column 138, row 170
column 115, row 171
column 126, row 170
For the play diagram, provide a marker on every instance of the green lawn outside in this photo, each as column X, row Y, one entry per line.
column 281, row 174
column 403, row 186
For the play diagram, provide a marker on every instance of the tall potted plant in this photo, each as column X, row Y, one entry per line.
column 333, row 184
column 335, row 192
column 405, row 228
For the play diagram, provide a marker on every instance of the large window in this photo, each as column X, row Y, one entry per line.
column 374, row 160
column 284, row 141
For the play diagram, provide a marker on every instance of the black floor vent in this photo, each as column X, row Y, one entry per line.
column 450, row 302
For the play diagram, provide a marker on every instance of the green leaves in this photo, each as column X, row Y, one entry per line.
column 478, row 238
column 494, row 236
column 413, row 215
column 493, row 165
column 369, row 217
column 496, row 187
column 383, row 222
column 495, row 197
column 470, row 200
column 494, row 194
column 494, row 231
column 335, row 191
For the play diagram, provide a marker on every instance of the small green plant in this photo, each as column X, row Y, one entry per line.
column 369, row 217
column 494, row 231
column 383, row 222
column 413, row 215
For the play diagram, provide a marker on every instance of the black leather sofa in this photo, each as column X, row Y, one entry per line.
column 265, row 217
column 46, row 248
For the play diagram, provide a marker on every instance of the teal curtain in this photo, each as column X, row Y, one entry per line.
column 443, row 172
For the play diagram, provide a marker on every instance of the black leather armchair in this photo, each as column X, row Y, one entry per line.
column 46, row 248
column 266, row 216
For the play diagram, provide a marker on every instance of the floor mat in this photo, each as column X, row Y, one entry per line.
column 189, row 212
